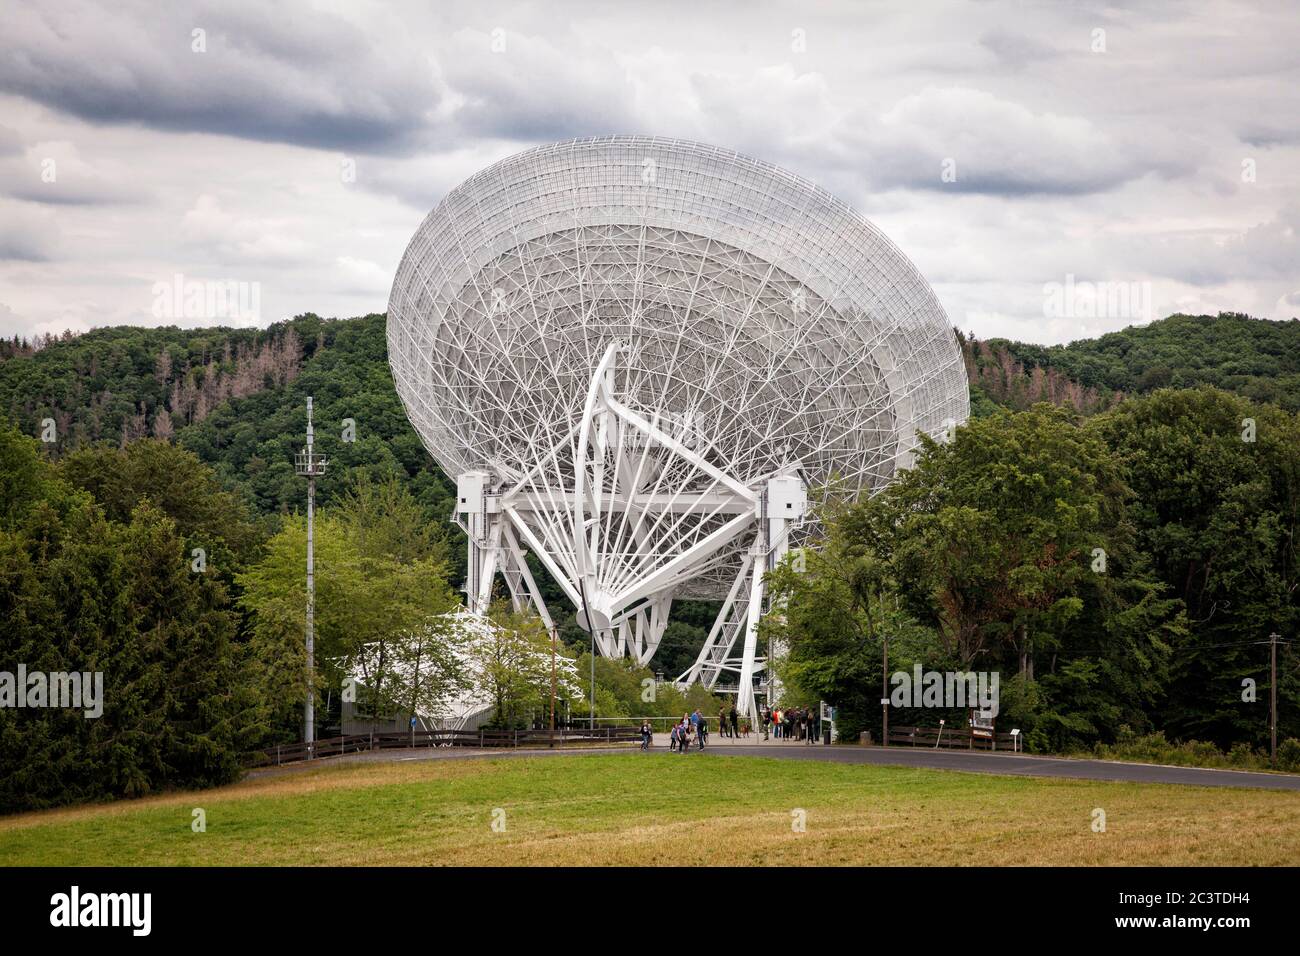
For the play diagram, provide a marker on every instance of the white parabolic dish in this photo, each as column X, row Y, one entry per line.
column 758, row 327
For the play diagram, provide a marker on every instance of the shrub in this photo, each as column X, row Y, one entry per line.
column 1288, row 755
column 1243, row 755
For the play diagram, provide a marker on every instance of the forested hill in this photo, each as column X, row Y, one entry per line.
column 1255, row 358
column 1196, row 519
column 236, row 396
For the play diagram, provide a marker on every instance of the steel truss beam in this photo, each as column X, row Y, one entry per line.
column 620, row 543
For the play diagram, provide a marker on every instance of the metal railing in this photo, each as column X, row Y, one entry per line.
column 484, row 739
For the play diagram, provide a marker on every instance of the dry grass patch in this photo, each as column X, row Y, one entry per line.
column 656, row 809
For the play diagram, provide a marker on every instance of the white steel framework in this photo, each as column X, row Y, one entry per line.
column 636, row 355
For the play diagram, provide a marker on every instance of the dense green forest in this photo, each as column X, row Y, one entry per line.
column 1173, row 448
column 1122, row 573
column 236, row 396
column 1253, row 358
column 237, row 399
column 136, row 564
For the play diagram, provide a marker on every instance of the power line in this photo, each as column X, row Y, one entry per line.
column 1211, row 647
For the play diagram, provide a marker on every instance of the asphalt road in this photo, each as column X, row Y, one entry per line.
column 1023, row 765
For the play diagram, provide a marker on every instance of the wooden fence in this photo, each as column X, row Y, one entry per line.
column 953, row 738
column 360, row 743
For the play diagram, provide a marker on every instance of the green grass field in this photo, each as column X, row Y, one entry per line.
column 660, row 809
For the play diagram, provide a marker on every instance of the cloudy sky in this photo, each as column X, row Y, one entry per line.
column 1004, row 146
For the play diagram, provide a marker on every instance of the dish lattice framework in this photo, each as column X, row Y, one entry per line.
column 636, row 355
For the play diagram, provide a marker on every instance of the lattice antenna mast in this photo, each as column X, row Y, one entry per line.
column 310, row 465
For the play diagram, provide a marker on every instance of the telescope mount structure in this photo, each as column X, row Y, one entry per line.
column 637, row 357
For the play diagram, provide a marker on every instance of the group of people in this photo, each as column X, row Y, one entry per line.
column 794, row 723
column 782, row 723
column 692, row 728
column 730, row 723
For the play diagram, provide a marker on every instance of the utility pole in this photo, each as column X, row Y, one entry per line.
column 1272, row 693
column 884, row 696
column 310, row 465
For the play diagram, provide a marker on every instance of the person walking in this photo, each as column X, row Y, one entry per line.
column 734, row 719
column 646, row 735
column 767, row 720
column 703, row 730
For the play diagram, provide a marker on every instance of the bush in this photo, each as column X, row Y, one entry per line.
column 1288, row 755
column 1243, row 755
column 1155, row 748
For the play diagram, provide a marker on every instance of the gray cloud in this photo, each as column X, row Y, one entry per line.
column 11, row 144
column 53, row 173
column 11, row 323
column 1122, row 165
column 1016, row 49
column 532, row 88
column 1267, row 251
column 1267, row 136
column 310, row 78
column 1000, row 147
column 27, row 235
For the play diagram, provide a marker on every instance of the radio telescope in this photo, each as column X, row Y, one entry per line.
column 635, row 355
